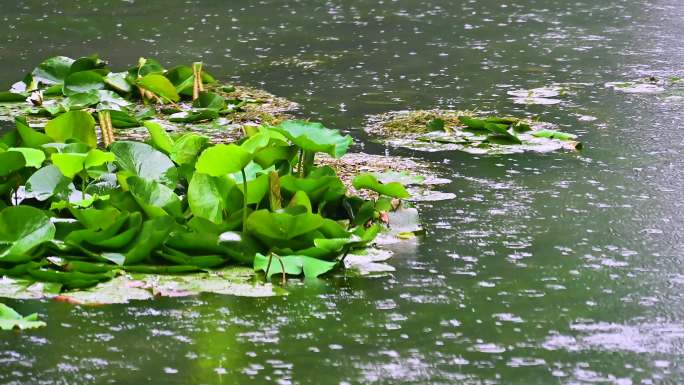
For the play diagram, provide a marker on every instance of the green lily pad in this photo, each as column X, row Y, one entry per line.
column 479, row 136
column 294, row 265
column 78, row 125
column 314, row 137
column 10, row 319
column 22, row 229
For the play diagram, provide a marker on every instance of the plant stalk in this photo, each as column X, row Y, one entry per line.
column 197, row 85
column 244, row 201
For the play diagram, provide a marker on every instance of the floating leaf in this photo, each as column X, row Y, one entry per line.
column 160, row 86
column 83, row 82
column 281, row 226
column 194, row 115
column 160, row 138
column 155, row 198
column 118, row 82
column 370, row 182
column 187, row 148
column 22, row 229
column 210, row 100
column 222, row 159
column 77, row 125
column 69, row 164
column 315, row 137
column 29, row 136
column 11, row 162
column 208, row 196
column 142, row 160
column 53, row 70
column 47, row 182
column 10, row 319
column 294, row 265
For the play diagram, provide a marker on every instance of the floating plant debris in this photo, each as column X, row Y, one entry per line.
column 79, row 221
column 441, row 130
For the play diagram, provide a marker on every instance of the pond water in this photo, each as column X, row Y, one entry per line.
column 555, row 268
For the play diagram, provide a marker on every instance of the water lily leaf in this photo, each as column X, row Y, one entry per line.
column 155, row 199
column 22, row 229
column 301, row 199
column 159, row 85
column 160, row 138
column 194, row 115
column 436, row 124
column 280, row 226
column 53, row 70
column 208, row 197
column 142, row 160
column 69, row 164
column 122, row 119
column 256, row 142
column 78, row 125
column 47, row 182
column 11, row 162
column 322, row 185
column 403, row 177
column 96, row 158
column 257, row 186
column 10, row 319
column 182, row 78
column 29, row 136
column 314, row 137
column 111, row 98
column 187, row 148
column 79, row 101
column 83, row 82
column 210, row 100
column 223, row 159
column 367, row 262
column 153, row 234
column 9, row 97
column 117, row 81
column 294, row 265
column 94, row 218
column 86, row 63
column 552, row 134
column 370, row 182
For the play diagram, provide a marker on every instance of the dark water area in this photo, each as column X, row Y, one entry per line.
column 561, row 268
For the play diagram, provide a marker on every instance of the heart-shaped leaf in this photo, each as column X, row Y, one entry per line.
column 22, row 229
column 314, row 137
column 222, row 159
column 78, row 125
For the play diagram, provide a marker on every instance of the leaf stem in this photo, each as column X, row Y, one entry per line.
column 300, row 166
column 244, row 201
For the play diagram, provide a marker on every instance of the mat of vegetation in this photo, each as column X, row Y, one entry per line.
column 90, row 218
column 444, row 130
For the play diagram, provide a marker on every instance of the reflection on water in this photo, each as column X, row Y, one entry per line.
column 555, row 268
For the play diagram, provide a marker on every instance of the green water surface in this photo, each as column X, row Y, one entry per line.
column 561, row 268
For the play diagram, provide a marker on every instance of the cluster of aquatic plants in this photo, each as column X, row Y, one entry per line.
column 439, row 130
column 74, row 215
